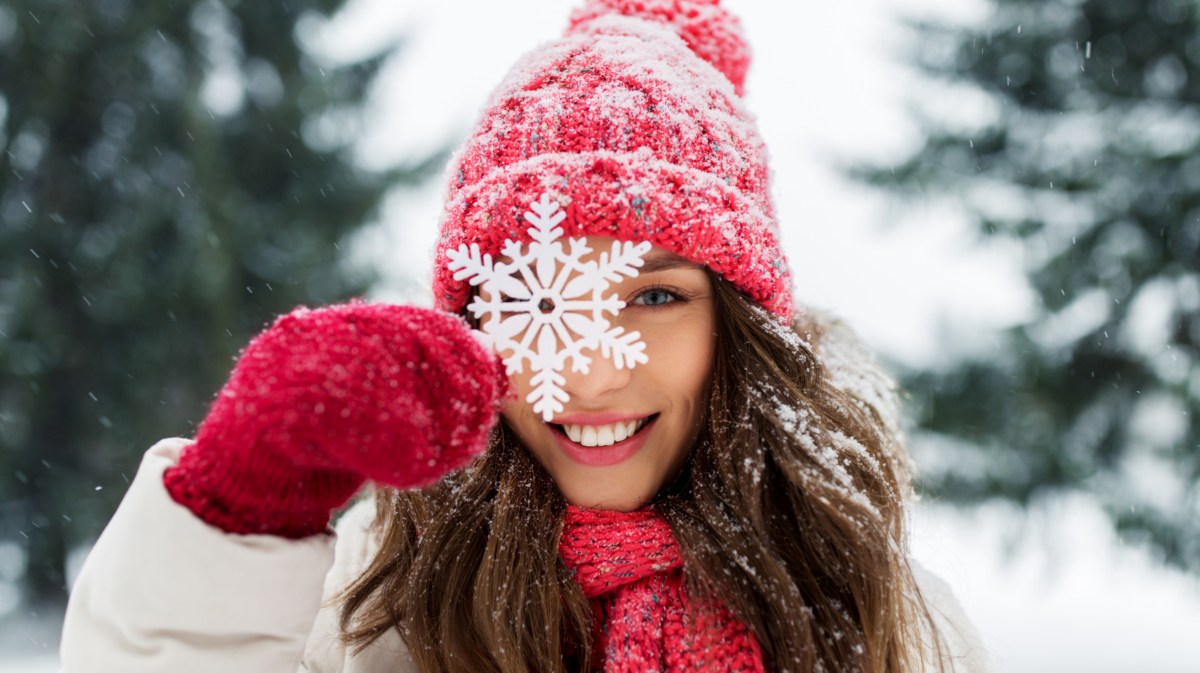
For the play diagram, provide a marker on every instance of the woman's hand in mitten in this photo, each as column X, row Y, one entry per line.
column 325, row 399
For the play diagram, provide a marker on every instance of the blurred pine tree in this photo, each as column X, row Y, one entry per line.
column 1089, row 154
column 173, row 175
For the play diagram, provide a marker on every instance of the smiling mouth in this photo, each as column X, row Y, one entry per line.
column 602, row 435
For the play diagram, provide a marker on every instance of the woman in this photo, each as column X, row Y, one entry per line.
column 679, row 474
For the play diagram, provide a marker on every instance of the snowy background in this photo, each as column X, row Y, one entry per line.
column 1049, row 590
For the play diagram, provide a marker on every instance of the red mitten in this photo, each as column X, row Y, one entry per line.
column 324, row 399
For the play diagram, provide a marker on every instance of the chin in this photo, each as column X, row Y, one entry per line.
column 625, row 487
column 587, row 496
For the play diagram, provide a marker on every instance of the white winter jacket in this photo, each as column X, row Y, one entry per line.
column 163, row 591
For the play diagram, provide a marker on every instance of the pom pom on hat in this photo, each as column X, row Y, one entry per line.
column 712, row 33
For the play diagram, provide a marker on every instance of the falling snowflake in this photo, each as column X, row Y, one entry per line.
column 546, row 305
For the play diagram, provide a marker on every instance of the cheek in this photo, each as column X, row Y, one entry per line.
column 521, row 420
column 514, row 408
column 519, row 388
column 681, row 358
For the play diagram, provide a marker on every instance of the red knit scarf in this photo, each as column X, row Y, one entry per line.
column 628, row 564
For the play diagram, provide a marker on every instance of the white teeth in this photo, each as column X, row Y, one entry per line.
column 603, row 435
column 620, row 431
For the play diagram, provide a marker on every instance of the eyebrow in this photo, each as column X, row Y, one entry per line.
column 666, row 262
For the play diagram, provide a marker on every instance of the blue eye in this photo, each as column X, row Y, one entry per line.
column 655, row 297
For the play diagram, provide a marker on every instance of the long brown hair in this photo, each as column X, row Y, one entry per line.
column 790, row 510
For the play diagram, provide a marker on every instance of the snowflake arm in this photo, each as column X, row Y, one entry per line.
column 624, row 348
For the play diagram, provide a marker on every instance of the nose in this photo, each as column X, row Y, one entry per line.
column 602, row 378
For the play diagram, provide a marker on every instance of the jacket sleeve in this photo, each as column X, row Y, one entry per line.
column 357, row 542
column 163, row 591
column 961, row 650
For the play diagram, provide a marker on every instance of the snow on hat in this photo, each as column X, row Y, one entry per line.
column 633, row 123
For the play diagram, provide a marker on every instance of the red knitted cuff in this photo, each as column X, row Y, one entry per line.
column 298, row 507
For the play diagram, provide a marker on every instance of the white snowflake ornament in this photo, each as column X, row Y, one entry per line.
column 546, row 306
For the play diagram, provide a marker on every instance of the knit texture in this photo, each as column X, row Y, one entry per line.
column 629, row 565
column 705, row 27
column 324, row 399
column 634, row 124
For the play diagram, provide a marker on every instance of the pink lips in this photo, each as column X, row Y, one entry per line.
column 601, row 456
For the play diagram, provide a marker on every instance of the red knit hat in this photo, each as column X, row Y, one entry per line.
column 633, row 123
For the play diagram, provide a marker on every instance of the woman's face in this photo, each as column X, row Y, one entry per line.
column 585, row 448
